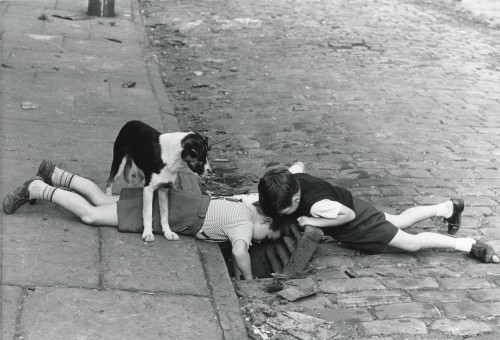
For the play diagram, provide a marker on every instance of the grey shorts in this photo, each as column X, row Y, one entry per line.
column 187, row 211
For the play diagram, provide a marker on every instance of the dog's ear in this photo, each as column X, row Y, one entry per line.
column 207, row 142
column 204, row 141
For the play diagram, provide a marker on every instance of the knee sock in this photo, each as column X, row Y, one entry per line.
column 41, row 190
column 62, row 178
column 444, row 209
column 464, row 244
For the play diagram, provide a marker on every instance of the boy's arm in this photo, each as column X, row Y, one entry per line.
column 242, row 258
column 345, row 215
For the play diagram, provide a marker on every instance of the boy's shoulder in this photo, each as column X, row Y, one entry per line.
column 308, row 177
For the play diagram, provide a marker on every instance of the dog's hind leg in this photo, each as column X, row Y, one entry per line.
column 116, row 170
column 132, row 174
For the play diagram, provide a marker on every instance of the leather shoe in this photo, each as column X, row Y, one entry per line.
column 17, row 197
column 45, row 170
column 482, row 251
column 455, row 220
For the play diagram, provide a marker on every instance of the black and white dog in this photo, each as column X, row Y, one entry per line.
column 158, row 157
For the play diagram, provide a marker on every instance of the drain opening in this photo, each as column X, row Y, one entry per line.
column 261, row 267
column 288, row 255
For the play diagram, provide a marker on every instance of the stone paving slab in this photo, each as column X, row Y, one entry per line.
column 34, row 41
column 54, row 107
column 10, row 297
column 60, row 313
column 20, row 142
column 99, row 109
column 29, row 256
column 70, row 82
column 162, row 266
column 64, row 61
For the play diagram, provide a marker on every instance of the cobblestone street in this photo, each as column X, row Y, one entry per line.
column 398, row 100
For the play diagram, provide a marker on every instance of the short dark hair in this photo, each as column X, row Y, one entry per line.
column 276, row 190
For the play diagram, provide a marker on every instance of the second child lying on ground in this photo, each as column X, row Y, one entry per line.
column 356, row 223
column 206, row 218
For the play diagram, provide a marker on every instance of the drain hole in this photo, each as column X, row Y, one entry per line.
column 261, row 267
column 273, row 256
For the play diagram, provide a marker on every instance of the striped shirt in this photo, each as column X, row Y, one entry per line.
column 228, row 221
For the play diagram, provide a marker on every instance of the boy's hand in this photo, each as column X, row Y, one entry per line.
column 305, row 220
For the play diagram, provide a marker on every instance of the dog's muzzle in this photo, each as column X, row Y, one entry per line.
column 202, row 169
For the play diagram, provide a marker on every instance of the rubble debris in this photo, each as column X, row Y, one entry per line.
column 69, row 16
column 303, row 326
column 43, row 17
column 129, row 84
column 114, row 40
column 298, row 289
column 29, row 106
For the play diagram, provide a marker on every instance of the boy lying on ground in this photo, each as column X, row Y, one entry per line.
column 356, row 223
column 201, row 216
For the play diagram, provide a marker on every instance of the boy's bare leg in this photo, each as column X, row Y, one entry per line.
column 416, row 214
column 426, row 240
column 92, row 192
column 58, row 177
column 73, row 202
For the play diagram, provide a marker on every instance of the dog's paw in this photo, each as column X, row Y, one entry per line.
column 148, row 237
column 171, row 236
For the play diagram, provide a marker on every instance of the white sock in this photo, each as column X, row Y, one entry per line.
column 444, row 209
column 40, row 190
column 297, row 168
column 62, row 178
column 464, row 244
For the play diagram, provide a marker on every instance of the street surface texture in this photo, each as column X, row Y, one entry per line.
column 398, row 100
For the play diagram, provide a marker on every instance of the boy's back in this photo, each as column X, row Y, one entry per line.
column 314, row 189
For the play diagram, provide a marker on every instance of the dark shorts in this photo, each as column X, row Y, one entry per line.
column 370, row 232
column 186, row 211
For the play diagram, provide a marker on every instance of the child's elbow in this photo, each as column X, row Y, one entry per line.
column 239, row 249
column 351, row 215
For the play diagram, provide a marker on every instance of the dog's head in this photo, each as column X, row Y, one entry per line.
column 195, row 149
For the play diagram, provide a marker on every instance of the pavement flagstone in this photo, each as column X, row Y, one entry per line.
column 68, row 84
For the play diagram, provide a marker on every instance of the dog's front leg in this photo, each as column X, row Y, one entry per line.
column 165, row 226
column 147, row 214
